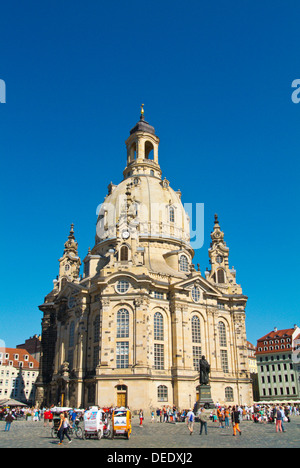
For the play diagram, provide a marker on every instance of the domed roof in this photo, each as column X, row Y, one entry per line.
column 148, row 204
column 142, row 125
column 143, row 210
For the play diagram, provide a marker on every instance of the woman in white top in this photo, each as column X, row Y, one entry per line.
column 63, row 428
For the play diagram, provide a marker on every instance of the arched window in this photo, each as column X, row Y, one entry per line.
column 123, row 323
column 196, row 294
column 196, row 340
column 228, row 394
column 132, row 153
column 121, row 388
column 124, row 253
column 97, row 329
column 149, row 150
column 162, row 393
column 220, row 276
column 171, row 214
column 71, row 335
column 183, row 263
column 222, row 334
column 159, row 350
column 196, row 332
column 158, row 327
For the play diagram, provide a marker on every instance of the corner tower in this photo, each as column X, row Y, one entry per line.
column 69, row 263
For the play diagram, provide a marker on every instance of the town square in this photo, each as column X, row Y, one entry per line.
column 149, row 242
column 155, row 435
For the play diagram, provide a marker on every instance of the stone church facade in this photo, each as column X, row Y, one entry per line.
column 132, row 330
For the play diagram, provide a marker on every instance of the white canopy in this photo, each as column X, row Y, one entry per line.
column 59, row 409
column 11, row 402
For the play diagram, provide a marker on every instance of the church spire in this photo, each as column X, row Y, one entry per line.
column 69, row 263
column 71, row 245
column 217, row 236
column 218, row 254
column 221, row 274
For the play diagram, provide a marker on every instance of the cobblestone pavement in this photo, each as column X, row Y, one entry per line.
column 159, row 435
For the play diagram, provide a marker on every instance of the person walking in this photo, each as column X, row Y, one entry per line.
column 279, row 420
column 73, row 418
column 165, row 414
column 226, row 416
column 235, row 418
column 141, row 416
column 284, row 418
column 9, row 419
column 48, row 418
column 220, row 415
column 190, row 419
column 203, row 417
column 63, row 428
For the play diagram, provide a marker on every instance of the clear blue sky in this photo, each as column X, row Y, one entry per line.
column 215, row 78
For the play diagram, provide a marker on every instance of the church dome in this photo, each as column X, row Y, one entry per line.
column 143, row 212
column 145, row 203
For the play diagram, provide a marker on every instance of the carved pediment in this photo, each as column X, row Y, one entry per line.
column 199, row 282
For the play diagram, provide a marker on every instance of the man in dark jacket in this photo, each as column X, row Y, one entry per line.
column 235, row 418
column 203, row 417
column 9, row 419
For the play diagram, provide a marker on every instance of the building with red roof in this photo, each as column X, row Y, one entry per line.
column 18, row 373
column 278, row 364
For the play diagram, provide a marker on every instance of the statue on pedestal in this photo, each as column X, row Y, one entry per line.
column 204, row 368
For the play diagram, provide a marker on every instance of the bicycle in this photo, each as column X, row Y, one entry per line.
column 77, row 431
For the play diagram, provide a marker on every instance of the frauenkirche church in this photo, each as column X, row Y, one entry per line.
column 131, row 331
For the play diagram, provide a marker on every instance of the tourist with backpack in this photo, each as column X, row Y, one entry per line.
column 190, row 419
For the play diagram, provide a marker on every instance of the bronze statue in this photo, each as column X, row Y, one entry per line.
column 204, row 368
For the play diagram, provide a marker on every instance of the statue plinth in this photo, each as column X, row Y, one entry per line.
column 205, row 398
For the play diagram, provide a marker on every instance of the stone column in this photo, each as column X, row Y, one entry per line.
column 141, row 347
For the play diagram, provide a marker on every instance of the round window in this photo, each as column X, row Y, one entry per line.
column 122, row 286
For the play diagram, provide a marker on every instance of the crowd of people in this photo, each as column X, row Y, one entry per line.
column 169, row 414
column 17, row 412
column 221, row 415
column 227, row 416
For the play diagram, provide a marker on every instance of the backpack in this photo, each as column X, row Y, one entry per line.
column 191, row 418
